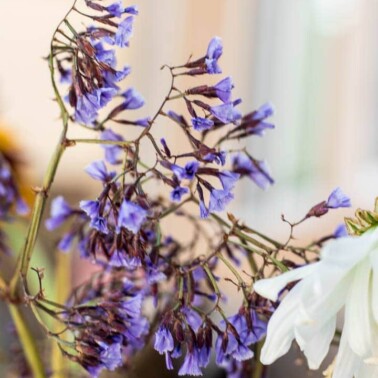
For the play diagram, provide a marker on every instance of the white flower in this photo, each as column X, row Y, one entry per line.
column 345, row 277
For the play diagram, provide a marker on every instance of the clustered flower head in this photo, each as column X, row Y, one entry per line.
column 94, row 80
column 106, row 322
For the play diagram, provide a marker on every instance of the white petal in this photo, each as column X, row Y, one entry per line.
column 367, row 371
column 347, row 362
column 374, row 294
column 349, row 251
column 320, row 307
column 357, row 311
column 271, row 287
column 315, row 341
column 280, row 333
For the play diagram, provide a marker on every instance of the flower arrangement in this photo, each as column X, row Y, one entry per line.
column 149, row 286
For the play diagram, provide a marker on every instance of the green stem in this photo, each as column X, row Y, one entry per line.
column 42, row 194
column 258, row 366
column 100, row 141
column 212, row 280
column 28, row 342
column 62, row 290
column 235, row 273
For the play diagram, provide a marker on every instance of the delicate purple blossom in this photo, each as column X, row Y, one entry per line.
column 214, row 52
column 188, row 172
column 131, row 216
column 340, row 231
column 338, row 199
column 191, row 364
column 60, row 211
column 219, row 199
column 177, row 193
column 112, row 151
column 98, row 171
column 201, row 124
column 124, row 32
column 163, row 340
column 227, row 113
column 223, row 89
column 257, row 171
column 116, row 9
column 228, row 179
column 132, row 99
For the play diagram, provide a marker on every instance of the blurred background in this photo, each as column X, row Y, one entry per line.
column 316, row 61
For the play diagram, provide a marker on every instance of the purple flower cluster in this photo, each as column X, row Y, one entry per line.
column 9, row 193
column 94, row 79
column 186, row 331
column 107, row 323
column 122, row 229
column 337, row 199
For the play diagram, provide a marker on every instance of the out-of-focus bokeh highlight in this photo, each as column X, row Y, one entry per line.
column 315, row 60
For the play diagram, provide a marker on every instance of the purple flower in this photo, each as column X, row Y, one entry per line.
column 264, row 111
column 98, row 171
column 192, row 318
column 131, row 216
column 219, row 199
column 85, row 111
column 132, row 9
column 188, row 172
column 242, row 353
column 216, row 157
column 168, row 361
column 228, row 179
column 177, row 193
column 124, row 32
column 254, row 123
column 100, row 224
column 226, row 113
column 102, row 96
column 338, row 199
column 223, row 89
column 111, row 355
column 204, row 211
column 204, row 356
column 133, row 99
column 65, row 76
column 191, row 364
column 117, row 76
column 176, row 117
column 340, row 231
column 60, row 211
column 112, row 151
column 91, row 208
column 257, row 171
column 133, row 306
column 163, row 340
column 65, row 243
column 214, row 52
column 225, row 345
column 144, row 122
column 116, row 9
column 201, row 124
column 104, row 55
column 248, row 335
column 120, row 259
